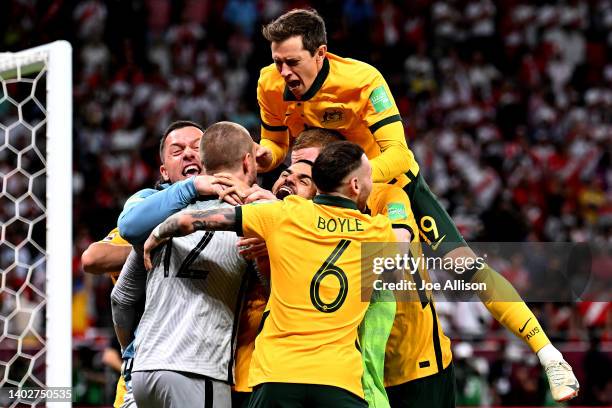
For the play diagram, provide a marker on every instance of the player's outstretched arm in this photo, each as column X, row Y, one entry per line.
column 188, row 222
column 104, row 257
column 268, row 155
column 274, row 144
column 396, row 157
column 147, row 208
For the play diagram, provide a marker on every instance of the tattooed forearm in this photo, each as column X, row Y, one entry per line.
column 199, row 225
column 228, row 213
column 170, row 227
column 223, row 219
column 187, row 222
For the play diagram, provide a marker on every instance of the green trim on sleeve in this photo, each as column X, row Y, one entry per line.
column 271, row 128
column 385, row 121
column 406, row 227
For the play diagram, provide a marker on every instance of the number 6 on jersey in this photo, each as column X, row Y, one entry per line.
column 328, row 268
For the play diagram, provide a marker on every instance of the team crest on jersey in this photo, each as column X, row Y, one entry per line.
column 110, row 236
column 332, row 116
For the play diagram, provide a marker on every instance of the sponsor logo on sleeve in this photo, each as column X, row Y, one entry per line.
column 396, row 211
column 380, row 100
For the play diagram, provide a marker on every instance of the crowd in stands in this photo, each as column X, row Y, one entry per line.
column 506, row 104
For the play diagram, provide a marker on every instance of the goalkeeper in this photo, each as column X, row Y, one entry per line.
column 307, row 86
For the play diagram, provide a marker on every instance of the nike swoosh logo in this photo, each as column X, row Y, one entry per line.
column 435, row 246
column 522, row 329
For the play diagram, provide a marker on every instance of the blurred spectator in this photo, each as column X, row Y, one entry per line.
column 470, row 374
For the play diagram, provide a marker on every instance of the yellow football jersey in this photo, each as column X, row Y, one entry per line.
column 309, row 328
column 347, row 95
column 114, row 238
column 417, row 346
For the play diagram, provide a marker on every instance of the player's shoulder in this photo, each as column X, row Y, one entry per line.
column 379, row 188
column 139, row 196
column 384, row 191
column 390, row 200
column 352, row 69
column 263, row 206
column 113, row 237
column 388, row 191
column 112, row 234
column 293, row 198
column 382, row 222
column 293, row 206
column 270, row 79
column 378, row 224
column 296, row 201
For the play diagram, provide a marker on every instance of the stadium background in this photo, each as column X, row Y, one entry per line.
column 507, row 105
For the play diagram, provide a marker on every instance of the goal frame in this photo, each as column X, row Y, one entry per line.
column 58, row 316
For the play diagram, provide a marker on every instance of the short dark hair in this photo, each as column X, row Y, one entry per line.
column 179, row 124
column 334, row 163
column 316, row 137
column 223, row 146
column 306, row 23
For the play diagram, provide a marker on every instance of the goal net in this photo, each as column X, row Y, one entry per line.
column 36, row 220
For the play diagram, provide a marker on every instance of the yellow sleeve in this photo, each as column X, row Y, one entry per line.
column 396, row 159
column 258, row 219
column 279, row 150
column 114, row 238
column 395, row 204
column 274, row 133
column 384, row 121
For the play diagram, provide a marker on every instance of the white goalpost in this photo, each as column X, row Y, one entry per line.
column 36, row 221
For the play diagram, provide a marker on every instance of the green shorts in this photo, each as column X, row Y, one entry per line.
column 240, row 399
column 433, row 221
column 434, row 391
column 290, row 395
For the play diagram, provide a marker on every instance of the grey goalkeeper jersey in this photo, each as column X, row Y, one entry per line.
column 193, row 303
